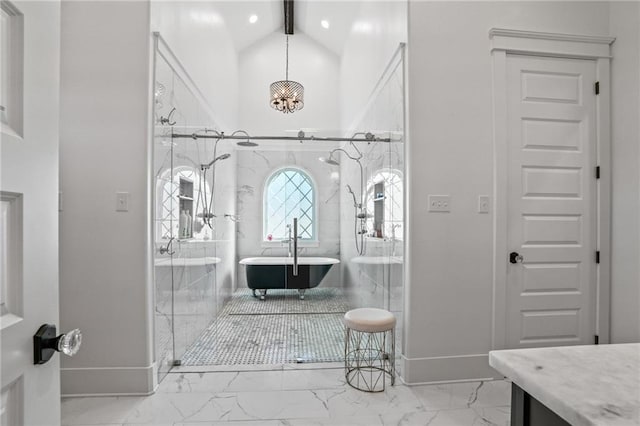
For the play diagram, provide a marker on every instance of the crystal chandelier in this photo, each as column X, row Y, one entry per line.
column 287, row 95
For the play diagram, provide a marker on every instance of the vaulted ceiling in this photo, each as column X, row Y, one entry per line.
column 308, row 14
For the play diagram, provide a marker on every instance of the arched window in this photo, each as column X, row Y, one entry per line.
column 289, row 193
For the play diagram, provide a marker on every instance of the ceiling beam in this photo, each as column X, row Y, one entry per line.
column 288, row 17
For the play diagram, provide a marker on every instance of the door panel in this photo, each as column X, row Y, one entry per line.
column 29, row 186
column 551, row 189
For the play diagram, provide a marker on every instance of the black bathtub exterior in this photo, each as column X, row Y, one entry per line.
column 266, row 277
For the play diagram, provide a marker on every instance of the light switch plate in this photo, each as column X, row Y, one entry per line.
column 122, row 201
column 483, row 204
column 439, row 203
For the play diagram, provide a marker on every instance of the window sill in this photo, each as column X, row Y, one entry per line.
column 276, row 244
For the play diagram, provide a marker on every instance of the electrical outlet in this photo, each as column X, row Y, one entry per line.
column 439, row 203
column 483, row 204
column 122, row 201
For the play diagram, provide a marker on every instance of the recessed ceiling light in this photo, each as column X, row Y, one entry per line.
column 253, row 19
column 325, row 24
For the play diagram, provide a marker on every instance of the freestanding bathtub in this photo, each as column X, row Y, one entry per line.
column 265, row 273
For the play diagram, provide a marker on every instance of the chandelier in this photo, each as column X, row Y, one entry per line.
column 287, row 95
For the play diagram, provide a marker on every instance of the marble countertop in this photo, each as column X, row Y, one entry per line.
column 585, row 385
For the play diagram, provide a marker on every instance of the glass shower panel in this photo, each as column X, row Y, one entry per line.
column 312, row 191
column 191, row 219
column 199, row 169
column 163, row 235
column 374, row 276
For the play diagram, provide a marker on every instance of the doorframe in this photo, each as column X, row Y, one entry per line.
column 531, row 43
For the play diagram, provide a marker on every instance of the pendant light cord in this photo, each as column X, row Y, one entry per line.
column 287, row 61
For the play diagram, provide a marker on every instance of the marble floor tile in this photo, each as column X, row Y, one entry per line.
column 293, row 398
column 232, row 423
column 94, row 411
column 345, row 421
column 197, row 382
column 349, row 402
column 282, row 405
column 464, row 395
column 253, row 381
column 461, row 417
column 169, row 408
column 313, row 379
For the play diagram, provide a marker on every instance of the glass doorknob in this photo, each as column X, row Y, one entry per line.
column 69, row 343
column 45, row 343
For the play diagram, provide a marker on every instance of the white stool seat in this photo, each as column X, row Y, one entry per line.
column 369, row 320
column 369, row 348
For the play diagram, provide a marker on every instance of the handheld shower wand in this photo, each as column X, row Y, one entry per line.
column 212, row 162
column 355, row 202
column 360, row 214
column 207, row 210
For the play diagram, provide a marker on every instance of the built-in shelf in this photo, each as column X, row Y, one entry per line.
column 185, row 200
column 378, row 209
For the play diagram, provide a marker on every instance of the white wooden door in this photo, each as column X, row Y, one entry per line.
column 552, row 201
column 29, row 231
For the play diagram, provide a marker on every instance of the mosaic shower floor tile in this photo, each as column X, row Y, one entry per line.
column 281, row 329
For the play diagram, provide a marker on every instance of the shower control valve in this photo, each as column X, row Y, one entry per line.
column 167, row 248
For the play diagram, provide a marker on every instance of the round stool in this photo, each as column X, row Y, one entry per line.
column 369, row 348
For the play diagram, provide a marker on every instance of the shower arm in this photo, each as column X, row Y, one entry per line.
column 357, row 160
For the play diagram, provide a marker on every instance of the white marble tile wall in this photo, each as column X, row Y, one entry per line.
column 293, row 397
column 254, row 168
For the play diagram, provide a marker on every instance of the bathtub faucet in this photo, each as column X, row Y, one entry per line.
column 288, row 240
column 293, row 239
column 295, row 246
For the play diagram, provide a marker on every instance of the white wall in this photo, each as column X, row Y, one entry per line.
column 377, row 30
column 197, row 33
column 310, row 64
column 625, row 269
column 450, row 151
column 103, row 150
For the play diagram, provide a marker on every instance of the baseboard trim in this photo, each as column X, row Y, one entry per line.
column 447, row 369
column 108, row 381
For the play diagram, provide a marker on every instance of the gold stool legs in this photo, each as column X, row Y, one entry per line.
column 369, row 358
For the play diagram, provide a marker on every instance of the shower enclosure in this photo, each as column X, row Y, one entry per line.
column 222, row 197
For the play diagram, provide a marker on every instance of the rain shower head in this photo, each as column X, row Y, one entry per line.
column 246, row 143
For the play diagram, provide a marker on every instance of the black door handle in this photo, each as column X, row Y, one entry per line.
column 515, row 257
